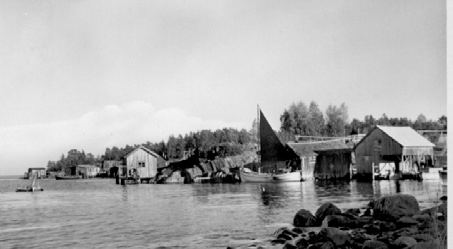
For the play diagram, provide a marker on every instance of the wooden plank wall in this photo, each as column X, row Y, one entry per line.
column 150, row 169
column 366, row 153
column 332, row 166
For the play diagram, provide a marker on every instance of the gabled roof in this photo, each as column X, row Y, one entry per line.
column 143, row 148
column 404, row 135
column 310, row 148
column 160, row 160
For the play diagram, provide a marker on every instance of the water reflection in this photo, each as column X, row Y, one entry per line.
column 193, row 216
column 124, row 193
column 279, row 195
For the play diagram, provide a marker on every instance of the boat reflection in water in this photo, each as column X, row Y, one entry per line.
column 288, row 177
column 177, row 215
column 344, row 194
column 279, row 194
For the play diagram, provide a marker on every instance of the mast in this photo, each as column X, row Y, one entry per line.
column 258, row 127
column 35, row 175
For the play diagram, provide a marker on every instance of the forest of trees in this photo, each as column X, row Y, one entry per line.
column 207, row 144
column 225, row 142
column 73, row 158
column 298, row 120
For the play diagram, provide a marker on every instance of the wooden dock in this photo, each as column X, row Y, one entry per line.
column 202, row 179
column 134, row 180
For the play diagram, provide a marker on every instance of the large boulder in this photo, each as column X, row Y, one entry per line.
column 175, row 177
column 337, row 236
column 423, row 237
column 206, row 167
column 360, row 222
column 404, row 242
column 304, row 218
column 194, row 172
column 338, row 221
column 395, row 206
column 326, row 209
column 434, row 211
column 428, row 245
column 373, row 244
column 407, row 221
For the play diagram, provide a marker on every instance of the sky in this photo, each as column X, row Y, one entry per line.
column 95, row 74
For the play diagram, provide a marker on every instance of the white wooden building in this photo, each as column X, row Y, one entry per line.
column 140, row 163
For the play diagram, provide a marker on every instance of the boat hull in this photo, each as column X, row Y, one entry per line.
column 255, row 177
column 28, row 190
column 67, row 177
column 288, row 177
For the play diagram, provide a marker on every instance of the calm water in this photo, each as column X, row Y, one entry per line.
column 101, row 214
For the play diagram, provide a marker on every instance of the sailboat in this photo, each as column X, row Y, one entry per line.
column 34, row 185
column 274, row 157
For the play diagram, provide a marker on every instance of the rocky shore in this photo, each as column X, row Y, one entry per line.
column 218, row 170
column 390, row 222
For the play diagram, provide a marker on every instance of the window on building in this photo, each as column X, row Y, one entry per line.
column 141, row 164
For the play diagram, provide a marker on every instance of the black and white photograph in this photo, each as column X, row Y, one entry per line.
column 251, row 124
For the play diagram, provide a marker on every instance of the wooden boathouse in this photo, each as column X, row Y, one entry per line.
column 140, row 165
column 395, row 152
column 110, row 167
column 328, row 159
column 86, row 171
column 41, row 173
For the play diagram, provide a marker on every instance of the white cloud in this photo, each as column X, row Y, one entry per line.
column 130, row 123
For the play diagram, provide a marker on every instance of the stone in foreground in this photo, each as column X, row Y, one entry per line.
column 304, row 218
column 395, row 206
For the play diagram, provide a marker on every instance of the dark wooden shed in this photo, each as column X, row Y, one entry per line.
column 398, row 150
column 323, row 159
column 333, row 164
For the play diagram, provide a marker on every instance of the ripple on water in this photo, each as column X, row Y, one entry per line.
column 101, row 214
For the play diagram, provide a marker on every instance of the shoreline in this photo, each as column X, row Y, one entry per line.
column 393, row 221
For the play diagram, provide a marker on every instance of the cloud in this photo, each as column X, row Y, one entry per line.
column 114, row 125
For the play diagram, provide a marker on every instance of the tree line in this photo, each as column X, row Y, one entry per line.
column 204, row 143
column 302, row 120
column 297, row 120
column 73, row 158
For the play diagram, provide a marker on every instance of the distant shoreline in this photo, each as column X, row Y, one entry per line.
column 11, row 177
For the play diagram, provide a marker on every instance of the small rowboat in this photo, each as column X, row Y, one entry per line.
column 249, row 176
column 33, row 187
column 29, row 189
column 67, row 177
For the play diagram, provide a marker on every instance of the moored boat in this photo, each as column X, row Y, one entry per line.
column 33, row 187
column 275, row 157
column 250, row 176
column 288, row 177
column 67, row 177
column 29, row 189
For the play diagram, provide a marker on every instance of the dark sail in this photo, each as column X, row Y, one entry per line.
column 272, row 150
